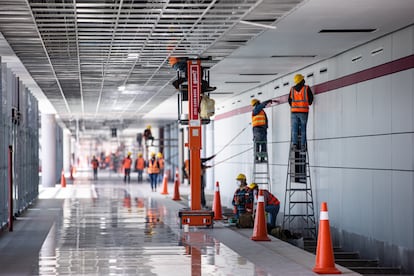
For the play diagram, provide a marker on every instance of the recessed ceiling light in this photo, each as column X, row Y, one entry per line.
column 121, row 88
column 242, row 82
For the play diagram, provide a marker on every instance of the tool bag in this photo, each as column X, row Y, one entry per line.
column 245, row 220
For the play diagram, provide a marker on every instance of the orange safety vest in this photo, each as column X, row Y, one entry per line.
column 161, row 163
column 299, row 100
column 127, row 163
column 140, row 163
column 153, row 166
column 270, row 199
column 172, row 60
column 95, row 163
column 259, row 119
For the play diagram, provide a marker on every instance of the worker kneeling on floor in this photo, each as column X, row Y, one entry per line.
column 243, row 203
column 271, row 203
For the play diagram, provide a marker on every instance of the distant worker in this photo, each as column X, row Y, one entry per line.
column 139, row 139
column 148, row 136
column 153, row 171
column 140, row 166
column 271, row 203
column 127, row 162
column 300, row 98
column 243, row 197
column 160, row 160
column 260, row 124
column 95, row 166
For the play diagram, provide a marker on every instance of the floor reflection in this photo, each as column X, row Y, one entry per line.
column 122, row 233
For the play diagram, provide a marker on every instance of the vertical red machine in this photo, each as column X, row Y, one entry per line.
column 195, row 216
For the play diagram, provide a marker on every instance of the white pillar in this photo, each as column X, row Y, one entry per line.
column 66, row 150
column 209, row 150
column 48, row 130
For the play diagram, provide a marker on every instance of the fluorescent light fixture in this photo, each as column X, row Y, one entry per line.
column 121, row 88
column 133, row 56
column 257, row 24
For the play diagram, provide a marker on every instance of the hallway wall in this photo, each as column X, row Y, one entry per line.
column 361, row 144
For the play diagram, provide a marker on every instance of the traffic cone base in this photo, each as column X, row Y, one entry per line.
column 63, row 180
column 260, row 227
column 217, row 204
column 165, row 185
column 325, row 262
column 176, row 186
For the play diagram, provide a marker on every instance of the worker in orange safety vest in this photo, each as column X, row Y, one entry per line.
column 127, row 163
column 300, row 98
column 140, row 166
column 271, row 203
column 153, row 171
column 95, row 165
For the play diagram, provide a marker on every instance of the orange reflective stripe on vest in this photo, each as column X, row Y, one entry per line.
column 127, row 163
column 299, row 100
column 161, row 163
column 271, row 199
column 153, row 167
column 259, row 119
column 140, row 163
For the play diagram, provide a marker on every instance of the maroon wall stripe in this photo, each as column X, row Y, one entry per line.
column 391, row 67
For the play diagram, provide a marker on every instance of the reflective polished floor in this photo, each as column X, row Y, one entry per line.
column 107, row 227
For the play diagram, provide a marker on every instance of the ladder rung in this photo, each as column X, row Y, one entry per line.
column 301, row 202
column 298, row 189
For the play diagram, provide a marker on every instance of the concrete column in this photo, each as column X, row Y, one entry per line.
column 48, row 146
column 66, row 150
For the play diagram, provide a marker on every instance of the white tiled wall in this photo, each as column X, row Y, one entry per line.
column 361, row 143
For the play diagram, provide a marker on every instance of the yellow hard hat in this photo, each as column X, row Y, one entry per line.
column 159, row 155
column 241, row 177
column 152, row 153
column 139, row 154
column 298, row 78
column 254, row 102
column 129, row 153
column 253, row 186
column 148, row 126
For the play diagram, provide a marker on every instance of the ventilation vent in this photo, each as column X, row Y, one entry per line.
column 340, row 31
column 258, row 74
column 356, row 59
column 310, row 75
column 260, row 93
column 323, row 70
column 242, row 82
column 293, row 56
column 377, row 51
column 276, row 87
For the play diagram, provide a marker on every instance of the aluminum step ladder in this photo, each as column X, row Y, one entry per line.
column 261, row 174
column 299, row 211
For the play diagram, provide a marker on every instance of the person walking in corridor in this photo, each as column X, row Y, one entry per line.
column 153, row 171
column 139, row 166
column 127, row 167
column 300, row 98
column 95, row 166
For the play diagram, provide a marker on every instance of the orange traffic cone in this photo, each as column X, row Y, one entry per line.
column 165, row 185
column 176, row 186
column 63, row 180
column 260, row 227
column 325, row 263
column 72, row 169
column 217, row 204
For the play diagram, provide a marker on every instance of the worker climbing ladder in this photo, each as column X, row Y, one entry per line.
column 299, row 212
column 261, row 168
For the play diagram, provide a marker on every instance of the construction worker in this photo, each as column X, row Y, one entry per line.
column 95, row 166
column 127, row 162
column 243, row 196
column 271, row 203
column 148, row 135
column 260, row 124
column 160, row 159
column 153, row 171
column 300, row 98
column 140, row 166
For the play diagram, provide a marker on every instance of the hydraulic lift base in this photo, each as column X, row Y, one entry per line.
column 196, row 217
